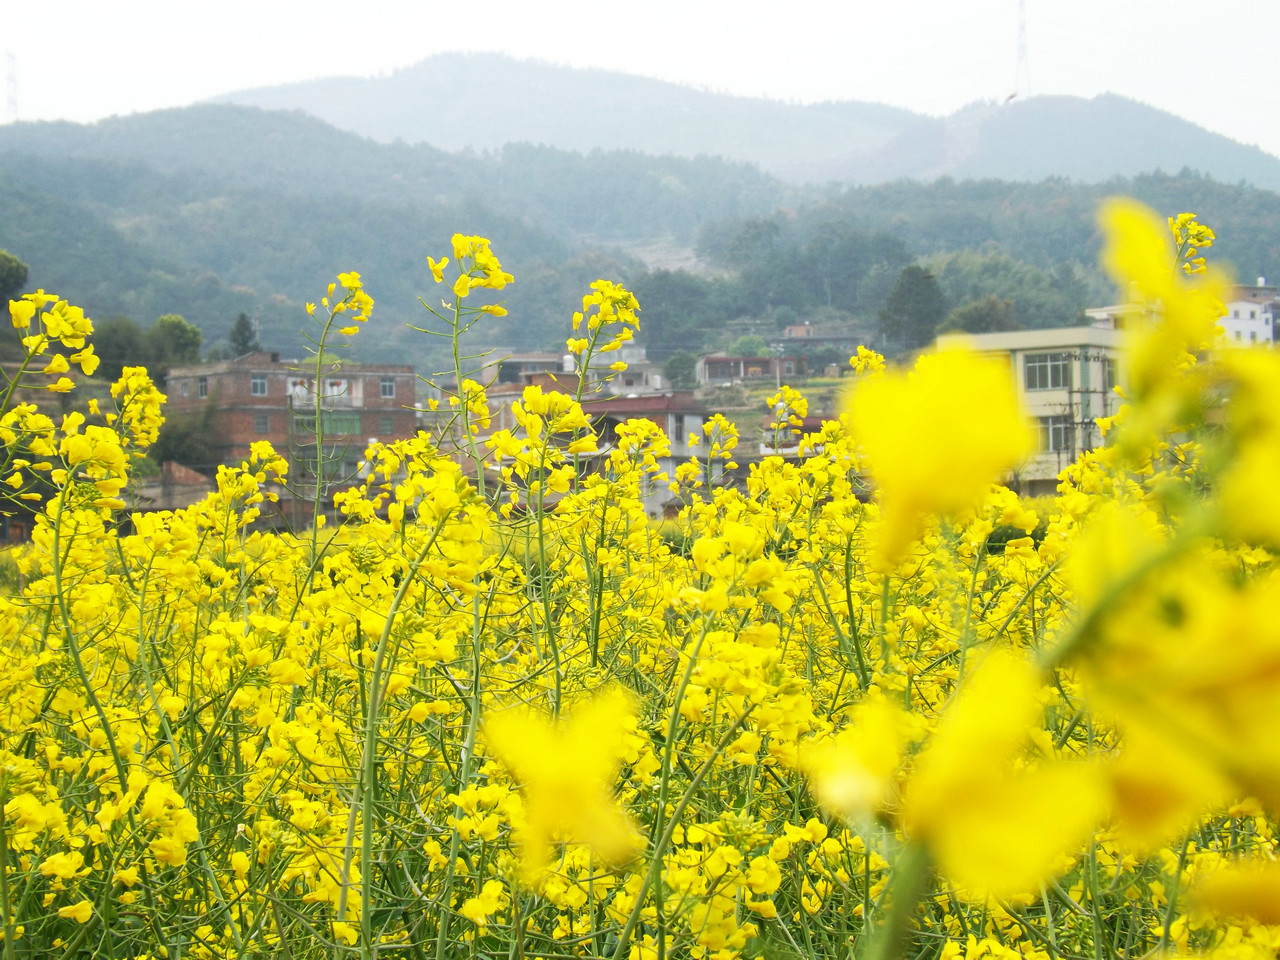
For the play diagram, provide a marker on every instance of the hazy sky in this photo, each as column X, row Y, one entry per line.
column 1210, row 62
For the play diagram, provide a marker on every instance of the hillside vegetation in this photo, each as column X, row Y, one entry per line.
column 216, row 210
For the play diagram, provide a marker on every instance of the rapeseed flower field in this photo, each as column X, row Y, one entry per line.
column 499, row 712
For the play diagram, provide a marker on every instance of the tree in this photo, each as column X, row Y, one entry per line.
column 173, row 342
column 840, row 256
column 1045, row 297
column 784, row 316
column 13, row 275
column 187, row 439
column 681, row 370
column 988, row 315
column 675, row 312
column 750, row 345
column 244, row 338
column 119, row 343
column 826, row 356
column 913, row 311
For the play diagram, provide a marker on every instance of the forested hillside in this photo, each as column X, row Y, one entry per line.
column 1034, row 245
column 214, row 211
column 618, row 194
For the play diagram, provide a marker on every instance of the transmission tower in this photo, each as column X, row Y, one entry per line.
column 11, row 86
column 1022, row 79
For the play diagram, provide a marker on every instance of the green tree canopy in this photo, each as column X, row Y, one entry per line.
column 119, row 343
column 1045, row 297
column 681, row 370
column 13, row 275
column 244, row 337
column 186, row 439
column 174, row 341
column 677, row 311
column 988, row 315
column 751, row 345
column 913, row 311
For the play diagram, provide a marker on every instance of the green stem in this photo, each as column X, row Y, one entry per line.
column 1171, row 898
column 4, row 871
column 464, row 774
column 660, row 849
column 368, row 763
column 911, row 872
column 318, row 429
column 544, row 579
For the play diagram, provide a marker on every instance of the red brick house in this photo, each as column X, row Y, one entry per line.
column 260, row 397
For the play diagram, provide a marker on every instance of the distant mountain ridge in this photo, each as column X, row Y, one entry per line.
column 485, row 101
column 290, row 153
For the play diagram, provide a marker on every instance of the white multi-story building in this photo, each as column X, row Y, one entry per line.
column 1251, row 314
column 1066, row 379
column 1067, row 376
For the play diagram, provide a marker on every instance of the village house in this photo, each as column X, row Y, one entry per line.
column 720, row 368
column 260, row 397
column 1251, row 314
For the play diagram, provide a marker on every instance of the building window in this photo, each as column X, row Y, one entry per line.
column 388, row 388
column 1048, row 371
column 677, row 429
column 1108, row 374
column 1056, row 434
column 340, row 423
column 386, row 424
column 1253, row 336
column 202, row 387
column 184, row 387
column 262, row 423
column 258, row 385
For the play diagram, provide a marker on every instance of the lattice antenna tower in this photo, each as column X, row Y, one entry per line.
column 11, row 87
column 1022, row 79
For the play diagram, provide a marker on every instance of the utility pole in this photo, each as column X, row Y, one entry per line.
column 1022, row 78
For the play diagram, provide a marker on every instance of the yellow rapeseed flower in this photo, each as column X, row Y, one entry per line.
column 853, row 775
column 996, row 824
column 79, row 912
column 566, row 769
column 936, row 437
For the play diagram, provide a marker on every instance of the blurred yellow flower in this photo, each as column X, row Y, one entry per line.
column 853, row 774
column 996, row 824
column 1175, row 316
column 936, row 437
column 566, row 769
